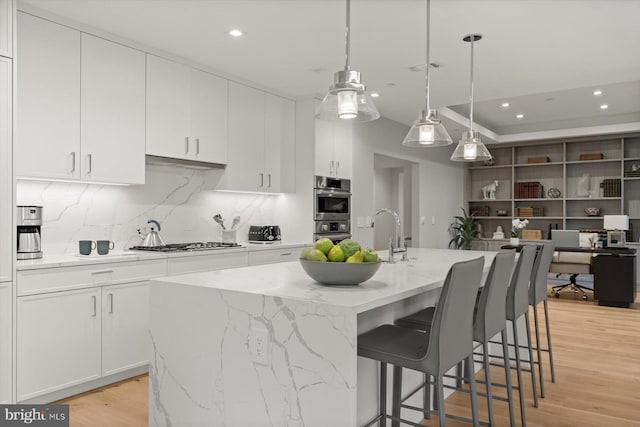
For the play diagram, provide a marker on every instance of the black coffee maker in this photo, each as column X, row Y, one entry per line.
column 29, row 221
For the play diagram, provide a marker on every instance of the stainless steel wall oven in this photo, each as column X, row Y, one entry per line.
column 332, row 208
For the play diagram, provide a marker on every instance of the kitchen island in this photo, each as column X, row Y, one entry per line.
column 268, row 346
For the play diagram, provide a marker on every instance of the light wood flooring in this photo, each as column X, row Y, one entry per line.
column 597, row 361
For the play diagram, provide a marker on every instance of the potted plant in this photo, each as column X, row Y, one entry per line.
column 464, row 230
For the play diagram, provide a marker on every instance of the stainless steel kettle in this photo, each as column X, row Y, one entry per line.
column 151, row 238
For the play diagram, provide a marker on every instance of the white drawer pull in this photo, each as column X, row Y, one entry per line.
column 285, row 254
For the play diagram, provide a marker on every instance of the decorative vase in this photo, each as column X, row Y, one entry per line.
column 514, row 241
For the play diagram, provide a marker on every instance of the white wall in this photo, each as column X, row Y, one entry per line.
column 385, row 196
column 438, row 185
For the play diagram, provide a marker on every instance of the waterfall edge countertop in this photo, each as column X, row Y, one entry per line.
column 425, row 270
column 268, row 346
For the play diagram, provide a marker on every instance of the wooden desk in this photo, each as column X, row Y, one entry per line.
column 614, row 273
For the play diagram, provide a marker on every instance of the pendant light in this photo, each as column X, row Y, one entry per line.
column 428, row 130
column 470, row 148
column 347, row 98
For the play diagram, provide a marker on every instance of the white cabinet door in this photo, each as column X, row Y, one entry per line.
column 5, row 342
column 125, row 327
column 6, row 28
column 333, row 147
column 168, row 105
column 113, row 112
column 245, row 169
column 324, row 163
column 48, row 118
column 208, row 117
column 6, row 178
column 59, row 341
column 279, row 146
column 342, row 146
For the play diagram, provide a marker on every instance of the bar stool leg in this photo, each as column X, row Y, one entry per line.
column 383, row 394
column 472, row 390
column 487, row 379
column 426, row 398
column 442, row 419
column 533, row 365
column 538, row 350
column 519, row 371
column 397, row 395
column 507, row 373
column 546, row 319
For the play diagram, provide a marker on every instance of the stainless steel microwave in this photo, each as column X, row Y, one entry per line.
column 331, row 205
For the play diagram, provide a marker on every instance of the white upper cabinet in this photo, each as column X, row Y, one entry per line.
column 6, row 28
column 333, row 149
column 186, row 112
column 48, row 118
column 6, row 177
column 167, row 108
column 261, row 152
column 113, row 112
column 6, row 353
column 81, row 106
column 209, row 117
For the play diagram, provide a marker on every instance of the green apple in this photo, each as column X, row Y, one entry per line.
column 324, row 245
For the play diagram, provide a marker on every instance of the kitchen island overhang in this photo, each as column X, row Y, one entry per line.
column 266, row 345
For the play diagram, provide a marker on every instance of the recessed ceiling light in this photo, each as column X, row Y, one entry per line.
column 597, row 92
column 375, row 94
column 505, row 104
column 604, row 106
column 519, row 116
column 235, row 33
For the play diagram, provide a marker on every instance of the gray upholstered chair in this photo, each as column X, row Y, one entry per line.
column 449, row 341
column 489, row 320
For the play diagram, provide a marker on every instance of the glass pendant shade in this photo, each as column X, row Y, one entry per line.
column 428, row 131
column 347, row 100
column 470, row 149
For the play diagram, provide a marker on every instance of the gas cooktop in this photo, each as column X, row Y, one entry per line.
column 185, row 247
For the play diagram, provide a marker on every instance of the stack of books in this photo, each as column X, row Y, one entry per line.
column 479, row 211
column 611, row 187
column 528, row 190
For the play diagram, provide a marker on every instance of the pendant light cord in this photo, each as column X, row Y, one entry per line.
column 426, row 73
column 473, row 38
column 347, row 65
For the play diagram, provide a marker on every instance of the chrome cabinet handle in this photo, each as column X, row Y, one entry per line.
column 73, row 161
column 197, row 146
column 90, row 164
column 269, row 176
column 186, row 145
column 337, row 168
column 261, row 179
column 285, row 254
column 331, row 163
column 111, row 303
column 102, row 271
column 95, row 308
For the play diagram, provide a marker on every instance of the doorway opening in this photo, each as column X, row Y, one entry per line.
column 395, row 187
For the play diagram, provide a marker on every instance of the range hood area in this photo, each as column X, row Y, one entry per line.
column 188, row 163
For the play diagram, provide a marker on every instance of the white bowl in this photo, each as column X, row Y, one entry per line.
column 340, row 273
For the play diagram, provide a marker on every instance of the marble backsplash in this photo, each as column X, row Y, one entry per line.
column 182, row 200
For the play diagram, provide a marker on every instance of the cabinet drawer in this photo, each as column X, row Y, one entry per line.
column 195, row 263
column 31, row 282
column 274, row 255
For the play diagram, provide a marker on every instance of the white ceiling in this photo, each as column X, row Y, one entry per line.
column 531, row 50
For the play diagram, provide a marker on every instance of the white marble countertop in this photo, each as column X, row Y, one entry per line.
column 69, row 260
column 425, row 270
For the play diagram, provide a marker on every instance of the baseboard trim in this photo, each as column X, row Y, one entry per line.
column 88, row 386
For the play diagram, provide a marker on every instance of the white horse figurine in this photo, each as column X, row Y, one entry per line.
column 489, row 190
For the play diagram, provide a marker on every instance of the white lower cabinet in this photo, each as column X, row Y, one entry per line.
column 58, row 341
column 272, row 256
column 5, row 342
column 125, row 327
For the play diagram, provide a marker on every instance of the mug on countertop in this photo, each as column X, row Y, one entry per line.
column 86, row 246
column 104, row 246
